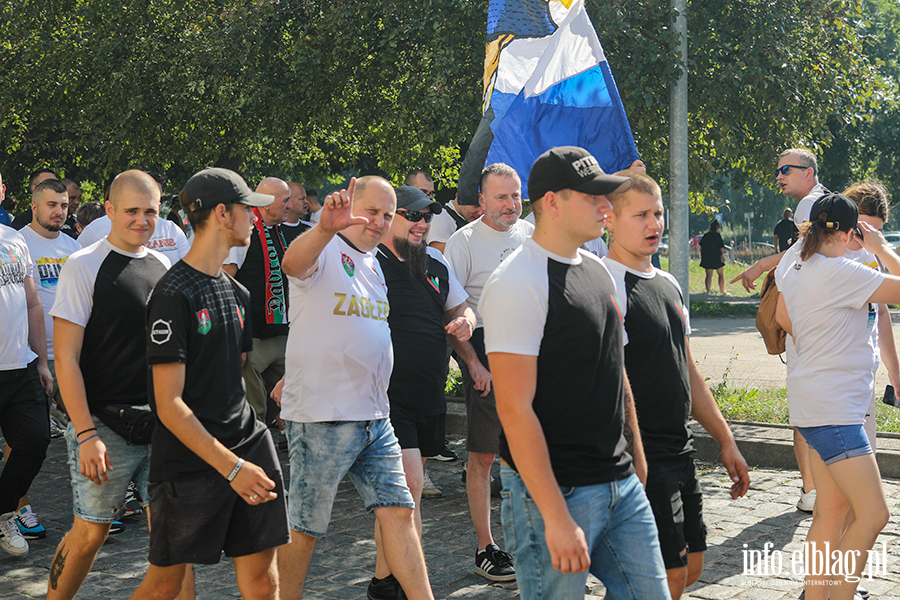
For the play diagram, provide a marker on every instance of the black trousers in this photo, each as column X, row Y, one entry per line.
column 25, row 423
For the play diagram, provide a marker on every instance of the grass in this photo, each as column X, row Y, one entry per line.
column 697, row 277
column 713, row 310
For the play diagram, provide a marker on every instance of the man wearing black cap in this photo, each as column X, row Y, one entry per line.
column 428, row 304
column 215, row 478
column 573, row 463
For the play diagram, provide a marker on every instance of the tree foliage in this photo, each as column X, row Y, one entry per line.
column 306, row 89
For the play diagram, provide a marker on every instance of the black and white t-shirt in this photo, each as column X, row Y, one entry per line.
column 417, row 333
column 656, row 323
column 564, row 312
column 200, row 321
column 105, row 290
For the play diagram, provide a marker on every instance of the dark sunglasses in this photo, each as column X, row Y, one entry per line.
column 414, row 216
column 785, row 169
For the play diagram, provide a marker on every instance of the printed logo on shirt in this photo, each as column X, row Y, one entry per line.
column 204, row 324
column 433, row 280
column 160, row 332
column 348, row 265
column 361, row 307
column 160, row 244
column 49, row 268
column 12, row 266
column 240, row 314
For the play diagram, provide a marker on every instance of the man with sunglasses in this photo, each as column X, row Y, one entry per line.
column 428, row 305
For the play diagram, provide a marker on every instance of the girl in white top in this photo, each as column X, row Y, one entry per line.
column 827, row 305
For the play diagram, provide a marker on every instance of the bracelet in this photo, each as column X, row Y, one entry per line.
column 89, row 437
column 234, row 471
column 85, row 431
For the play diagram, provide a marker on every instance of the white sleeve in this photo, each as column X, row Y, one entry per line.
column 513, row 307
column 75, row 292
column 457, row 294
column 96, row 230
column 442, row 227
column 457, row 254
column 182, row 244
column 857, row 283
column 237, row 255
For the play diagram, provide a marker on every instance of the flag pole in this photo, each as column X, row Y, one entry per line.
column 679, row 210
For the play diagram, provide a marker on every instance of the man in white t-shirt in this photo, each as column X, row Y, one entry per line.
column 334, row 401
column 24, row 379
column 451, row 218
column 474, row 252
column 314, row 206
column 167, row 238
column 798, row 176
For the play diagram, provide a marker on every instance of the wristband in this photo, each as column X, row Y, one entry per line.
column 85, row 431
column 234, row 471
column 88, row 437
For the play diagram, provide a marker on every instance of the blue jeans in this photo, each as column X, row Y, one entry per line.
column 322, row 454
column 620, row 532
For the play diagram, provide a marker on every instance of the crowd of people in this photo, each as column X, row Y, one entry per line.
column 127, row 335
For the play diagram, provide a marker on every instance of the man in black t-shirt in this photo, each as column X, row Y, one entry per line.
column 785, row 231
column 572, row 457
column 427, row 305
column 215, row 478
column 657, row 326
column 258, row 268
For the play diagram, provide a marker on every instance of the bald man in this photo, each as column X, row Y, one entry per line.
column 100, row 358
column 258, row 268
column 296, row 222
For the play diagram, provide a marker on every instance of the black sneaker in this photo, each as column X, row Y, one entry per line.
column 385, row 589
column 862, row 592
column 445, row 455
column 495, row 564
column 116, row 527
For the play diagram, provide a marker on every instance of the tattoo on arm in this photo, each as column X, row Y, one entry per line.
column 58, row 565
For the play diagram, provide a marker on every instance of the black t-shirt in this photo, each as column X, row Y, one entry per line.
column 418, row 337
column 565, row 312
column 656, row 360
column 252, row 275
column 22, row 219
column 292, row 231
column 199, row 320
column 785, row 230
column 711, row 245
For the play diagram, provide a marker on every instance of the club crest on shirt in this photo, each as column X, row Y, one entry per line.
column 160, row 332
column 348, row 265
column 203, row 322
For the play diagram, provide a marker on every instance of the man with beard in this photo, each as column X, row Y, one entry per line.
column 428, row 305
column 74, row 192
column 474, row 252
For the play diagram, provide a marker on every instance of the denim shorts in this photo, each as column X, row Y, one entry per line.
column 322, row 454
column 101, row 503
column 619, row 529
column 837, row 442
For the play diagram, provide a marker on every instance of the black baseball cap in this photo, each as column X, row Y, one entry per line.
column 571, row 168
column 840, row 211
column 214, row 185
column 412, row 198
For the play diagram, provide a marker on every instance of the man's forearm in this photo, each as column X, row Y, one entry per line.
column 37, row 333
column 633, row 434
column 465, row 351
column 303, row 253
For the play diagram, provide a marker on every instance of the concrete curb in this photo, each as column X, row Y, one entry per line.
column 769, row 445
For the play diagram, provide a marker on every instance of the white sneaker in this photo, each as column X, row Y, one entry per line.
column 429, row 490
column 11, row 541
column 806, row 501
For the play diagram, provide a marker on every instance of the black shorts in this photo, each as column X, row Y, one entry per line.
column 424, row 433
column 677, row 503
column 194, row 520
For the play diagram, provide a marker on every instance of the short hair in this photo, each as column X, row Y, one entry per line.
column 807, row 158
column 789, row 213
column 87, row 212
column 714, row 225
column 133, row 180
column 640, row 182
column 35, row 174
column 311, row 192
column 54, row 185
column 411, row 176
column 499, row 169
column 870, row 197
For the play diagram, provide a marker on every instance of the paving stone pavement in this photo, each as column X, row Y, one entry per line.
column 345, row 558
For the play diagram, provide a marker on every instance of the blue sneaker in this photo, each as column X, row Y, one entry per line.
column 28, row 524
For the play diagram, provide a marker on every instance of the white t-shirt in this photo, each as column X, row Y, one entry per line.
column 475, row 250
column 831, row 379
column 167, row 238
column 442, row 227
column 314, row 217
column 48, row 256
column 338, row 363
column 801, row 215
column 15, row 267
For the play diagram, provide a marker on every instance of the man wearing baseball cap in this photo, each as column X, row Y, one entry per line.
column 570, row 442
column 216, row 482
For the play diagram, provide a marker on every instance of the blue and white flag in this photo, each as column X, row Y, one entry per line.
column 546, row 83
